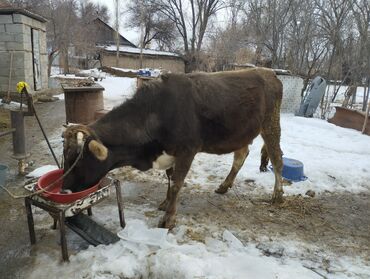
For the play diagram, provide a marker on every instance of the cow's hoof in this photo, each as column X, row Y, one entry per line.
column 163, row 205
column 263, row 168
column 222, row 189
column 277, row 198
column 167, row 222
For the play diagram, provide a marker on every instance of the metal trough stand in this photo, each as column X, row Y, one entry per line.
column 71, row 215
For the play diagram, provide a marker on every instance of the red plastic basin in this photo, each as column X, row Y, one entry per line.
column 53, row 193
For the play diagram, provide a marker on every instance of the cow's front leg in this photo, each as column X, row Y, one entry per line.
column 163, row 204
column 182, row 166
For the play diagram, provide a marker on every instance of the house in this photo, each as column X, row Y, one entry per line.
column 23, row 55
column 130, row 56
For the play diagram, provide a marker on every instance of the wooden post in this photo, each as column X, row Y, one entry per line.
column 366, row 117
column 117, row 33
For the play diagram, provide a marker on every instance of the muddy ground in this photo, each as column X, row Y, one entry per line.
column 338, row 224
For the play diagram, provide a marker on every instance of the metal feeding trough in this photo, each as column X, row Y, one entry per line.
column 292, row 170
column 69, row 212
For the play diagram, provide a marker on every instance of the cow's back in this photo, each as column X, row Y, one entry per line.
column 233, row 105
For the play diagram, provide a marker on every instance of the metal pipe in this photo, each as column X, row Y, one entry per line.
column 19, row 142
column 7, row 132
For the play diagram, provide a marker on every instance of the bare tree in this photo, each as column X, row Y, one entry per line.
column 146, row 14
column 191, row 19
column 361, row 15
column 266, row 22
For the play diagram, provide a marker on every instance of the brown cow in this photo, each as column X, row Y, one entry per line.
column 169, row 121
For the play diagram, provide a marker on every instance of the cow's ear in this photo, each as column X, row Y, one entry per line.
column 98, row 150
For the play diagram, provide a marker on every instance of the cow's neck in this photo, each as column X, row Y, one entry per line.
column 133, row 123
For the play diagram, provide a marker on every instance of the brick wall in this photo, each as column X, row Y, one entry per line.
column 15, row 37
column 292, row 86
column 132, row 61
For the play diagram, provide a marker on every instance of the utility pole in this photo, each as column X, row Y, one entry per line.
column 141, row 32
column 366, row 94
column 117, row 33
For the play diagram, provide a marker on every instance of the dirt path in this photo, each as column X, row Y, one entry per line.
column 338, row 223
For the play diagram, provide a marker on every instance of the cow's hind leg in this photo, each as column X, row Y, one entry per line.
column 239, row 158
column 271, row 135
column 264, row 159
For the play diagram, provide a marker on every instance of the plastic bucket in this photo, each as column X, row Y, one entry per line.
column 3, row 171
column 292, row 170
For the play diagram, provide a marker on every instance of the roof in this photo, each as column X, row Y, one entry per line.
column 122, row 39
column 126, row 49
column 8, row 10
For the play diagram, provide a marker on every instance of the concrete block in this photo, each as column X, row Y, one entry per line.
column 43, row 45
column 4, row 80
column 2, row 28
column 19, row 18
column 14, row 46
column 6, row 37
column 6, row 19
column 19, row 38
column 27, row 30
column 27, row 46
column 38, row 25
column 14, row 28
column 2, row 46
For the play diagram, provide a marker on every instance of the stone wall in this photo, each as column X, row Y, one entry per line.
column 132, row 61
column 292, row 86
column 15, row 37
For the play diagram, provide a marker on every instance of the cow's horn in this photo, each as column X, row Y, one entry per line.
column 98, row 149
column 165, row 76
column 80, row 137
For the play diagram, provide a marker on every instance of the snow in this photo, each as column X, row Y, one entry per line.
column 67, row 76
column 137, row 231
column 216, row 258
column 224, row 257
column 125, row 70
column 42, row 170
column 327, row 152
column 117, row 90
column 12, row 105
column 137, row 50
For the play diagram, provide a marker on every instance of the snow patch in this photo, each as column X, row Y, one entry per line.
column 41, row 171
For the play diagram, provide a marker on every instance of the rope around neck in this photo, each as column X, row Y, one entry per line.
column 51, row 184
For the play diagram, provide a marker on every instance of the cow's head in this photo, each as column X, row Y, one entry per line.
column 91, row 166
